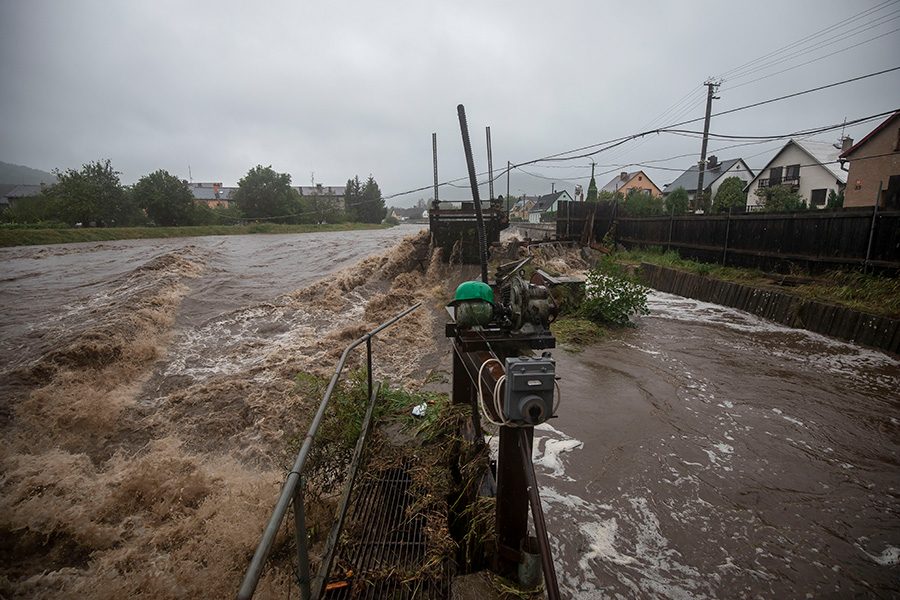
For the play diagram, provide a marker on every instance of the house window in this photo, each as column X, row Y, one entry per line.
column 792, row 172
column 646, row 192
column 817, row 198
column 775, row 176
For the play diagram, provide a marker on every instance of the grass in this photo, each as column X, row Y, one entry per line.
column 575, row 333
column 856, row 290
column 30, row 237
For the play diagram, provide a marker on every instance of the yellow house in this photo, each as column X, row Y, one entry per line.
column 522, row 208
column 626, row 182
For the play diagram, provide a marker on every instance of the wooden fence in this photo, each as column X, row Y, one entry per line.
column 777, row 241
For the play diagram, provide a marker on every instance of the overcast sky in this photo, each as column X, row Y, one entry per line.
column 357, row 87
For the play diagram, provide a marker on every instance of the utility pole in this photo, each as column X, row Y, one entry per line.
column 508, row 168
column 490, row 165
column 435, row 201
column 711, row 87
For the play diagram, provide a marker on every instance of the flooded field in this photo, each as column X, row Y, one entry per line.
column 146, row 406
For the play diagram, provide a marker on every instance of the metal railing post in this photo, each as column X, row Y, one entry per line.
column 369, row 362
column 300, row 537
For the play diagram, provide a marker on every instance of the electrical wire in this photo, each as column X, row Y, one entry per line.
column 735, row 72
column 601, row 147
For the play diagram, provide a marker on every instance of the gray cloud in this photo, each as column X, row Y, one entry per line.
column 346, row 88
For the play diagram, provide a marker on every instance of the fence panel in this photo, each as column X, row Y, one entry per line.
column 813, row 239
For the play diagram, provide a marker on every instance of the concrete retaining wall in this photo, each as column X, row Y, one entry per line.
column 827, row 319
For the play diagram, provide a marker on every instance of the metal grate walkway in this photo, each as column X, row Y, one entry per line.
column 388, row 548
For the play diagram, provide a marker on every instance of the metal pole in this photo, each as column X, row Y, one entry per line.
column 434, row 155
column 369, row 362
column 300, row 538
column 537, row 512
column 473, row 182
column 671, row 224
column 727, row 231
column 711, row 89
column 508, row 169
column 490, row 165
column 872, row 228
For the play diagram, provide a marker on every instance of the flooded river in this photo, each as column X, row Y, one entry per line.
column 145, row 407
column 712, row 454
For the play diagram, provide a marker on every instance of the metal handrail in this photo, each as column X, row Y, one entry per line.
column 292, row 484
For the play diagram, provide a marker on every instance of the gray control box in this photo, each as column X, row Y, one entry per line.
column 529, row 389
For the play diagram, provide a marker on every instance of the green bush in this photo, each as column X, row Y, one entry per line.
column 612, row 295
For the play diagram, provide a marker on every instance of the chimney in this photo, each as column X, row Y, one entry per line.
column 623, row 175
column 846, row 143
column 712, row 162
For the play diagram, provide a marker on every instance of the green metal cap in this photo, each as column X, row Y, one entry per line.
column 473, row 290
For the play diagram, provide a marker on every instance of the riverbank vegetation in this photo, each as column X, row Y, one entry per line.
column 25, row 236
column 94, row 197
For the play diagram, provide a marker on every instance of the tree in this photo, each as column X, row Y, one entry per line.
column 592, row 191
column 678, row 201
column 640, row 204
column 702, row 202
column 92, row 195
column 835, row 200
column 730, row 195
column 167, row 200
column 40, row 208
column 778, row 198
column 607, row 196
column 263, row 194
column 364, row 202
column 352, row 198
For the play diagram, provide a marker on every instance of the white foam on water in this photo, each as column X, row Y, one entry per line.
column 824, row 353
column 889, row 557
column 551, row 458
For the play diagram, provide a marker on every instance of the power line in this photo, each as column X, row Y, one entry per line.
column 816, row 35
column 616, row 142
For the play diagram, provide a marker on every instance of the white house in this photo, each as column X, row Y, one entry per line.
column 548, row 203
column 811, row 168
column 713, row 175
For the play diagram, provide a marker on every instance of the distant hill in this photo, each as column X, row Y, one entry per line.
column 17, row 174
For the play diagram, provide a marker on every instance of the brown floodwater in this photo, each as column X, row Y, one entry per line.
column 711, row 454
column 148, row 399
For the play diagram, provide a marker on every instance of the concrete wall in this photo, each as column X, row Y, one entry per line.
column 827, row 319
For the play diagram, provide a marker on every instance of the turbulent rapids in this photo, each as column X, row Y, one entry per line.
column 149, row 400
column 142, row 452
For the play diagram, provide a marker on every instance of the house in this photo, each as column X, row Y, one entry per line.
column 627, row 182
column 874, row 163
column 545, row 204
column 16, row 193
column 713, row 175
column 214, row 195
column 808, row 167
column 333, row 194
column 522, row 206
